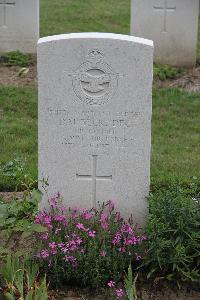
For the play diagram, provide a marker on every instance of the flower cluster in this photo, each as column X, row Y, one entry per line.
column 118, row 292
column 81, row 241
column 126, row 237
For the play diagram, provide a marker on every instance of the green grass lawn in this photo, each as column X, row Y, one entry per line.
column 64, row 16
column 18, row 135
column 175, row 135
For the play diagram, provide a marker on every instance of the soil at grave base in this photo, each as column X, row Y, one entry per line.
column 163, row 292
column 190, row 81
column 8, row 196
column 9, row 77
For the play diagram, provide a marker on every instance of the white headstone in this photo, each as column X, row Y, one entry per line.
column 19, row 25
column 95, row 119
column 172, row 25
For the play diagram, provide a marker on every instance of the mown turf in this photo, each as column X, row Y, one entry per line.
column 175, row 134
column 64, row 16
column 18, row 135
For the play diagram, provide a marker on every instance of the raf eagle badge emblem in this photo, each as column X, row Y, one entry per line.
column 94, row 82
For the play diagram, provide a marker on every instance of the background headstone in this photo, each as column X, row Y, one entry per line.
column 172, row 25
column 95, row 119
column 19, row 25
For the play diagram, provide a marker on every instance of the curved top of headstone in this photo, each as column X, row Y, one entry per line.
column 98, row 35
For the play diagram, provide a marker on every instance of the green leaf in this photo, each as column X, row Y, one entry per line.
column 35, row 197
column 3, row 208
column 37, row 228
column 5, row 234
column 29, row 296
column 21, row 225
column 34, row 228
column 151, row 272
column 26, row 234
column 9, row 296
column 19, row 280
column 130, row 284
column 10, row 221
column 32, row 270
column 41, row 292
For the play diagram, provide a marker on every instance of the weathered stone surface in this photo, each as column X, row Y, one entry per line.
column 172, row 25
column 19, row 25
column 95, row 119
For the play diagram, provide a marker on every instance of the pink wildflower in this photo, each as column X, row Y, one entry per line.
column 47, row 221
column 104, row 225
column 117, row 238
column 86, row 214
column 75, row 209
column 138, row 257
column 122, row 249
column 126, row 228
column 53, row 202
column 44, row 253
column 117, row 216
column 91, row 233
column 65, row 223
column 53, row 251
column 53, row 248
column 111, row 283
column 131, row 241
column 44, row 236
column 52, row 245
column 61, row 245
column 58, row 195
column 72, row 260
column 79, row 241
column 74, row 216
column 111, row 205
column 44, row 219
column 80, row 226
column 103, row 217
column 104, row 221
column 63, row 208
column 59, row 218
column 103, row 253
column 57, row 230
column 119, row 293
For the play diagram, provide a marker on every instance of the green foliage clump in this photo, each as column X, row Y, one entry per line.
column 20, row 276
column 15, row 58
column 164, row 72
column 18, row 216
column 173, row 246
column 15, row 171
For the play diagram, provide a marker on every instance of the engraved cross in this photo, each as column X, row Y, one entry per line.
column 4, row 4
column 165, row 9
column 94, row 178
